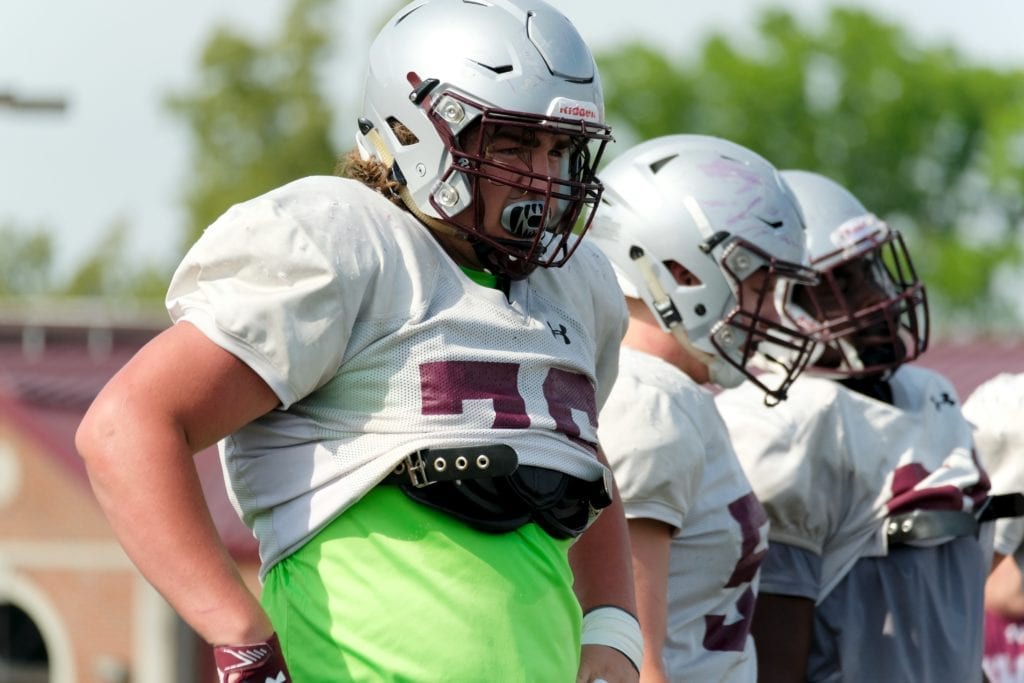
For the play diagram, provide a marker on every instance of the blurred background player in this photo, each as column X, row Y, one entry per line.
column 996, row 409
column 874, row 570
column 403, row 375
column 699, row 230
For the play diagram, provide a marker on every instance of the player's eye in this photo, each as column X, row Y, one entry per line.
column 506, row 150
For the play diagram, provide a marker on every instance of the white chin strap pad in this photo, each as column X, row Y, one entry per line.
column 725, row 374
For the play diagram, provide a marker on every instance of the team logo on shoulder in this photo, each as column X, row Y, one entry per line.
column 943, row 399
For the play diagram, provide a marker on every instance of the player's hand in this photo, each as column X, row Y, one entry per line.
column 600, row 663
column 252, row 663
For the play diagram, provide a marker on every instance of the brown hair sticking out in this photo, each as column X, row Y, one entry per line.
column 372, row 172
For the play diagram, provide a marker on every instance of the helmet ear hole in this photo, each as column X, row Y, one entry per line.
column 402, row 132
column 683, row 276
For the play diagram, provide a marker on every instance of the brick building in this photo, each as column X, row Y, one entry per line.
column 72, row 607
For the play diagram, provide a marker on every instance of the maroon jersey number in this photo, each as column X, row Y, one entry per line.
column 718, row 635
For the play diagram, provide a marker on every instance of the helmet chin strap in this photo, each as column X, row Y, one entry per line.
column 725, row 374
column 720, row 371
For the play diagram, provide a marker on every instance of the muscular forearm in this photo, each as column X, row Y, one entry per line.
column 601, row 559
column 651, row 543
column 602, row 568
column 601, row 562
column 138, row 440
column 150, row 492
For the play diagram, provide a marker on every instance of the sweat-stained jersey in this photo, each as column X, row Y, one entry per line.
column 830, row 465
column 673, row 462
column 377, row 345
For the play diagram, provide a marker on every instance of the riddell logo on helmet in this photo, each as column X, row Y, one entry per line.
column 855, row 230
column 575, row 109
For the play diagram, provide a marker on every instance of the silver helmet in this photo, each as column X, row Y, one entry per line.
column 720, row 212
column 870, row 310
column 445, row 68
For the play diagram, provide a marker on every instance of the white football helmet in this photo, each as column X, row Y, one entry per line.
column 444, row 67
column 721, row 212
column 870, row 310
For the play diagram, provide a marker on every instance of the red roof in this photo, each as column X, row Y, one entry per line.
column 50, row 374
column 969, row 362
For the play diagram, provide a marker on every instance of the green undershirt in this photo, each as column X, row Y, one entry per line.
column 481, row 277
column 392, row 591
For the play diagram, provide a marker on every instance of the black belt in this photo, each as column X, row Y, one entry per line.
column 430, row 465
column 485, row 487
column 924, row 525
column 1003, row 505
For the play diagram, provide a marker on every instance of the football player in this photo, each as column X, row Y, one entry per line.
column 867, row 472
column 995, row 408
column 700, row 231
column 403, row 373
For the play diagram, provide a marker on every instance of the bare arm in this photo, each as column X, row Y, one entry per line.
column 1004, row 589
column 600, row 561
column 782, row 636
column 177, row 396
column 652, row 542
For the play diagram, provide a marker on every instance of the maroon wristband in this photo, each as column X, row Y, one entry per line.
column 254, row 663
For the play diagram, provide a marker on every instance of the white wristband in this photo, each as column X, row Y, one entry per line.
column 616, row 628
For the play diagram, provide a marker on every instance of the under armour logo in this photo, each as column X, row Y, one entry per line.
column 560, row 332
column 246, row 656
column 941, row 400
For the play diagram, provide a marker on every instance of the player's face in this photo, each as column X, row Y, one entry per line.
column 852, row 285
column 857, row 290
column 756, row 295
column 513, row 187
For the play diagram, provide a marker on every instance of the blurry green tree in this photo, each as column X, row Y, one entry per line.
column 109, row 272
column 258, row 117
column 27, row 268
column 26, row 261
column 926, row 140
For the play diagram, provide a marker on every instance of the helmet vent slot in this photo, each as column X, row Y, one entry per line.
column 503, row 69
column 660, row 163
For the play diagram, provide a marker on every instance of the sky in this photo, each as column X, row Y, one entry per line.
column 114, row 154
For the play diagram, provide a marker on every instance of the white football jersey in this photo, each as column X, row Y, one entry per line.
column 377, row 345
column 673, row 462
column 830, row 464
column 996, row 410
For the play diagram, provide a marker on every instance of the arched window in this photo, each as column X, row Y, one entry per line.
column 23, row 657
